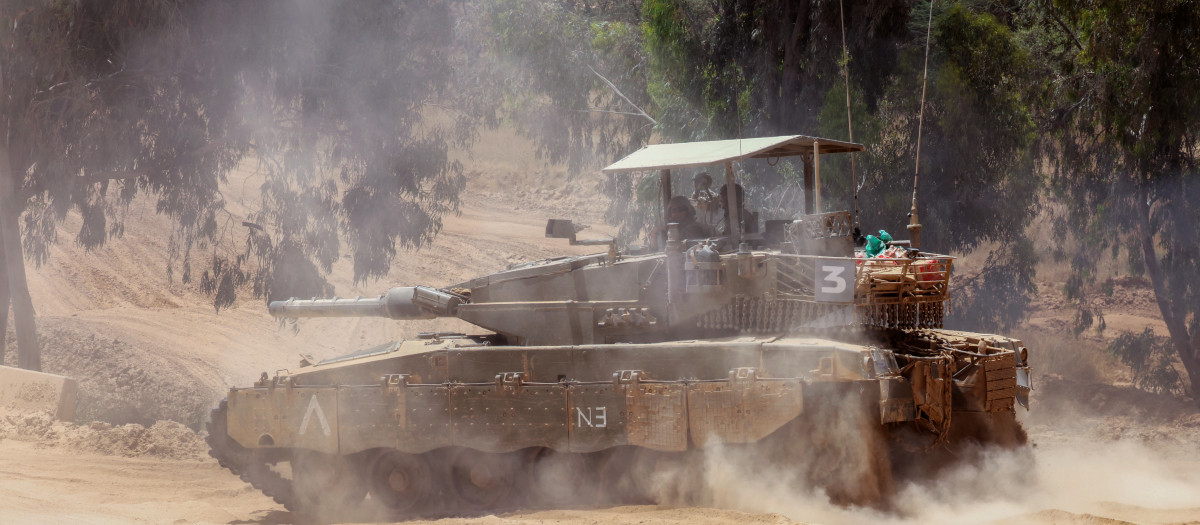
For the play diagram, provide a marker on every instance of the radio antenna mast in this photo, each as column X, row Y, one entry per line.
column 849, row 125
column 914, row 225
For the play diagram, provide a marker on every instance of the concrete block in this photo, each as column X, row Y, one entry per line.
column 25, row 391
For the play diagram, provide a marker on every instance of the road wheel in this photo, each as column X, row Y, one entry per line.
column 671, row 478
column 558, row 478
column 401, row 482
column 483, row 480
column 328, row 483
column 616, row 480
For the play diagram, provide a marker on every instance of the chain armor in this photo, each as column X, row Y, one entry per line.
column 761, row 314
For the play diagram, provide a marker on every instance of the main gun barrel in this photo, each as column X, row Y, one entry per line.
column 401, row 303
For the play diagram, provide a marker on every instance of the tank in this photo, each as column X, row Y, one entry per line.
column 610, row 378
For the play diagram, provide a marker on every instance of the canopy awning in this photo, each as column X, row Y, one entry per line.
column 692, row 154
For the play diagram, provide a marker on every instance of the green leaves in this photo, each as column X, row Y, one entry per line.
column 104, row 101
column 1151, row 359
column 544, row 62
column 1119, row 111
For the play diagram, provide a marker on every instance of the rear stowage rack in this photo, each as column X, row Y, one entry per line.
column 903, row 293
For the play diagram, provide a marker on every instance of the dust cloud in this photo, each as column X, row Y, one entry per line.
column 1078, row 474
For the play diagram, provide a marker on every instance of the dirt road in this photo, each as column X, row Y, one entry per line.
column 1070, row 477
column 147, row 348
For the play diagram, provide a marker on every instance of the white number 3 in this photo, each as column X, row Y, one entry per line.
column 833, row 274
column 834, row 281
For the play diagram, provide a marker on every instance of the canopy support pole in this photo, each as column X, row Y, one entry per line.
column 664, row 186
column 808, row 185
column 735, row 213
column 816, row 177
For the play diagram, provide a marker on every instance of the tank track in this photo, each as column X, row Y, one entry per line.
column 254, row 469
column 247, row 465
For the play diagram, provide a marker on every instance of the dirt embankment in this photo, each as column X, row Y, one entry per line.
column 165, row 439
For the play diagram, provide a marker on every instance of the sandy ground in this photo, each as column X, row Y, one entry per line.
column 147, row 349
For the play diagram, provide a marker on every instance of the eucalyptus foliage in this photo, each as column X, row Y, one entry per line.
column 103, row 101
column 1117, row 94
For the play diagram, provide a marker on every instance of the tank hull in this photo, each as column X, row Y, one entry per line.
column 442, row 407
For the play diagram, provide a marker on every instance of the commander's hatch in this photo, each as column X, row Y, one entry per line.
column 665, row 157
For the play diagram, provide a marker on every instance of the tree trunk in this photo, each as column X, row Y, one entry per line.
column 4, row 302
column 1192, row 366
column 794, row 49
column 28, row 353
column 1173, row 319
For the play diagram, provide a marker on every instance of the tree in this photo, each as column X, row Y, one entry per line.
column 763, row 67
column 717, row 70
column 572, row 77
column 102, row 102
column 1119, row 103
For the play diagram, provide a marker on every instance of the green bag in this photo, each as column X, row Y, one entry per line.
column 874, row 246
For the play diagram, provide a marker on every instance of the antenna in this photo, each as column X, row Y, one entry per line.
column 849, row 125
column 914, row 225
